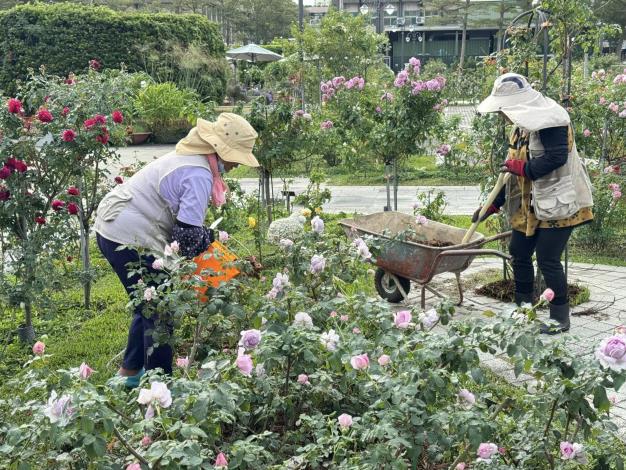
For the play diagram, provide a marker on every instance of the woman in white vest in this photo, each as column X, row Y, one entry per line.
column 550, row 195
column 166, row 202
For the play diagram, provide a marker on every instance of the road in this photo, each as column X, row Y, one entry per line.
column 362, row 199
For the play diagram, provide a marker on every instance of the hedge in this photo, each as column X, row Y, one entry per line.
column 65, row 37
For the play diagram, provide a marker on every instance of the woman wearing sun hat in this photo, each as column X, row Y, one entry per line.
column 165, row 202
column 550, row 195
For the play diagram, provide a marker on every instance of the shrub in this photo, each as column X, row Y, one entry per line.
column 65, row 37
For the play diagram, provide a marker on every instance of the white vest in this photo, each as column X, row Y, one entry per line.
column 135, row 213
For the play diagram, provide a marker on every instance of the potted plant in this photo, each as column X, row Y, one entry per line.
column 138, row 133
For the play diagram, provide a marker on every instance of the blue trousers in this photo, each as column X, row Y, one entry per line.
column 139, row 350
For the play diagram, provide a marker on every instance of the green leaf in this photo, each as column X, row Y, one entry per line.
column 600, row 400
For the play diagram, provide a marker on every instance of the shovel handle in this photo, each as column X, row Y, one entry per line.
column 502, row 180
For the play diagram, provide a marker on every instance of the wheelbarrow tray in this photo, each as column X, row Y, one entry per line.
column 411, row 259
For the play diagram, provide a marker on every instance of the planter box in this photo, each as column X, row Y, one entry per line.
column 139, row 138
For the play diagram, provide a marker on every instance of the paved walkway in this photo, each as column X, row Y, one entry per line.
column 362, row 199
column 607, row 285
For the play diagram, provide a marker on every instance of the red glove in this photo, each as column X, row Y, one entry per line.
column 514, row 166
column 490, row 211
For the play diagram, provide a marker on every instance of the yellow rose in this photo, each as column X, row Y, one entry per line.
column 251, row 222
column 318, row 210
column 306, row 212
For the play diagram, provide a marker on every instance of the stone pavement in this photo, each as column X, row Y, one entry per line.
column 362, row 199
column 467, row 113
column 607, row 285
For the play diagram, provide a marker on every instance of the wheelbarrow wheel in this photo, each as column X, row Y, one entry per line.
column 387, row 288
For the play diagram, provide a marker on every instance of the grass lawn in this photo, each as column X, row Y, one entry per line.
column 416, row 171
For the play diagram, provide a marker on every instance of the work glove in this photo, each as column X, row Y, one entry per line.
column 490, row 211
column 514, row 166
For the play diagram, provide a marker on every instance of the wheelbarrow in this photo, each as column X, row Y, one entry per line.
column 417, row 257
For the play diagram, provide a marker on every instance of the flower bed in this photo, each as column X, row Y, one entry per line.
column 302, row 370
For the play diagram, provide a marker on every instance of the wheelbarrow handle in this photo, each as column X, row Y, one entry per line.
column 476, row 252
column 502, row 181
column 499, row 236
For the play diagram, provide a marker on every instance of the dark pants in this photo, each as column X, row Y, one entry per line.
column 139, row 350
column 549, row 244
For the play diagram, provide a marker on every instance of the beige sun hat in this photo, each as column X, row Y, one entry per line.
column 231, row 137
column 523, row 105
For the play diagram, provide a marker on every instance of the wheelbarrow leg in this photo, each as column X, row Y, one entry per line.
column 424, row 297
column 460, row 287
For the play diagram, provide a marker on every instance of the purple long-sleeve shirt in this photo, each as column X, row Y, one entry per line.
column 187, row 190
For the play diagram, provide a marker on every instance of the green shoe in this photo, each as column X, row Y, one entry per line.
column 133, row 380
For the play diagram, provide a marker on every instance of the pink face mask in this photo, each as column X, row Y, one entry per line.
column 219, row 189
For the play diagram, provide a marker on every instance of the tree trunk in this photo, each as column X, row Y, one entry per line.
column 86, row 260
column 464, row 37
column 500, row 44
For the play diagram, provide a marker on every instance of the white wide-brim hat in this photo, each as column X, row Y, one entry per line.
column 524, row 106
column 231, row 137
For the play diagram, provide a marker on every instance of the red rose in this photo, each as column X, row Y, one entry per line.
column 11, row 162
column 15, row 105
column 5, row 172
column 40, row 220
column 73, row 191
column 94, row 65
column 5, row 194
column 44, row 115
column 117, row 116
column 104, row 137
column 57, row 205
column 70, row 81
column 100, row 119
column 46, row 98
column 72, row 208
column 89, row 124
column 20, row 166
column 65, row 111
column 70, row 259
column 68, row 135
column 119, row 180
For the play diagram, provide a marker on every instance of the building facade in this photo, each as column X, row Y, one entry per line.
column 432, row 29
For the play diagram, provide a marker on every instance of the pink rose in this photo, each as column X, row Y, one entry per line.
column 383, row 360
column 612, row 352
column 548, row 295
column 72, row 208
column 182, row 362
column 221, row 461
column 332, row 314
column 617, row 194
column 586, row 132
column 14, row 105
column 467, row 396
column 460, row 466
column 38, row 348
column 360, row 362
column 94, row 65
column 602, row 100
column 486, row 450
column 65, row 111
column 84, row 371
column 117, row 117
column 133, row 466
column 567, row 450
column 250, row 339
column 44, row 115
column 57, row 205
column 344, row 420
column 244, row 364
column 158, row 264
column 402, row 318
column 344, row 318
column 146, row 441
column 223, row 236
column 68, row 135
column 614, row 107
column 303, row 379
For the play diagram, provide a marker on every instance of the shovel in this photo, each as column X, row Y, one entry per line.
column 502, row 180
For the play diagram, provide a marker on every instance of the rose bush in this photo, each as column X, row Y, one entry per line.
column 321, row 375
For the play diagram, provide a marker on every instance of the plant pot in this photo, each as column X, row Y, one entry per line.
column 138, row 138
column 26, row 334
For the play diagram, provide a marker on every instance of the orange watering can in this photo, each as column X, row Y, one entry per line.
column 217, row 261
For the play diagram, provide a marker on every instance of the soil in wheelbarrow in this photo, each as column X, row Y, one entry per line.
column 433, row 243
column 504, row 290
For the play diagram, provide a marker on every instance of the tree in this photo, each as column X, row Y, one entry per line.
column 263, row 20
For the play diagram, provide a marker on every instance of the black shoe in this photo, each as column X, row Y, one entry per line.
column 523, row 299
column 559, row 313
